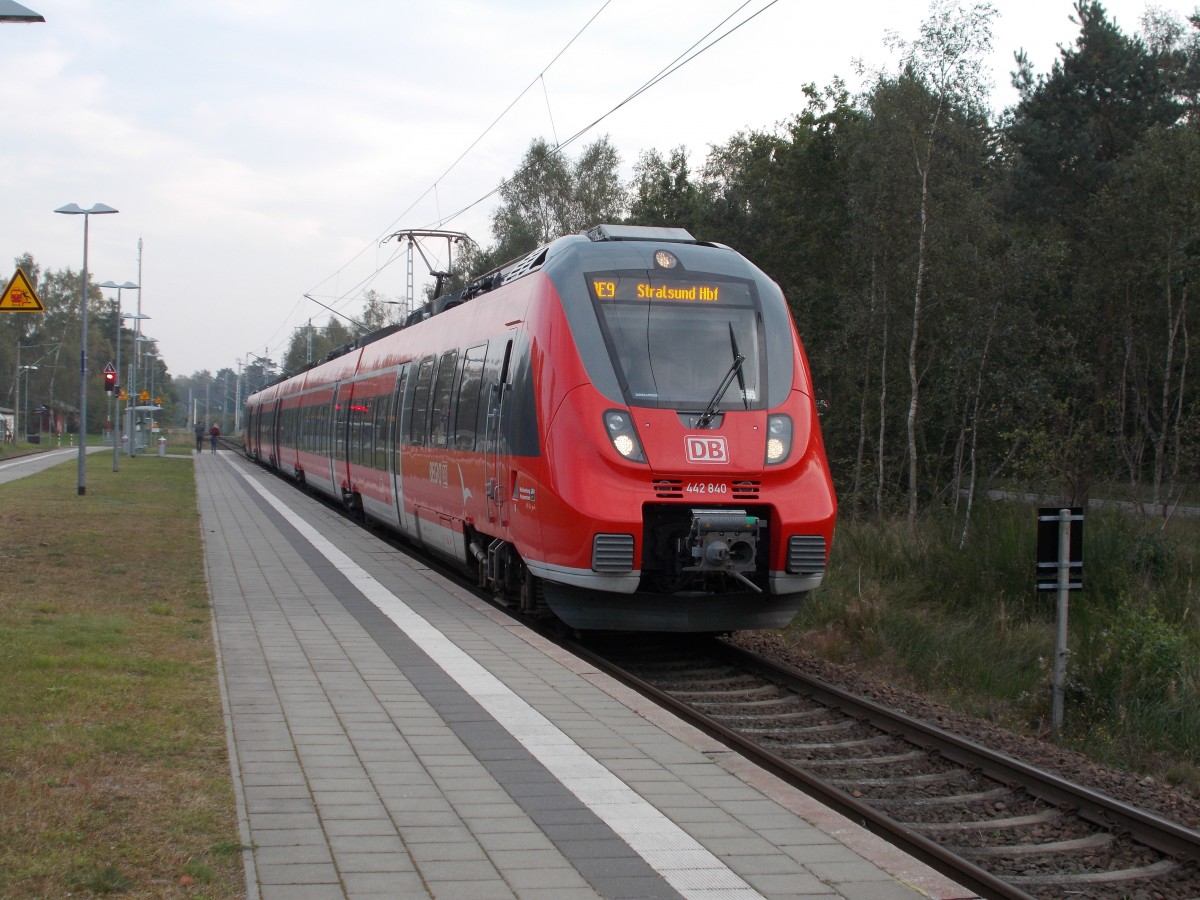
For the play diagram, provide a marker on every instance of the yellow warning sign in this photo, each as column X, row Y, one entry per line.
column 124, row 396
column 143, row 397
column 19, row 296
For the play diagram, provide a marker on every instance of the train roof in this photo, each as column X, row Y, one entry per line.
column 511, row 271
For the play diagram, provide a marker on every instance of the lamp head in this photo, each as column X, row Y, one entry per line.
column 74, row 209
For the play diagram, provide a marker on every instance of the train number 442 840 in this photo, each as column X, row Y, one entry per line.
column 706, row 487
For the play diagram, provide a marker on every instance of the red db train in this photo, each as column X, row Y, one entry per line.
column 618, row 428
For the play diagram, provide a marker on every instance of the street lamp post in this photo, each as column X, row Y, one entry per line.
column 128, row 285
column 17, row 399
column 17, row 406
column 73, row 209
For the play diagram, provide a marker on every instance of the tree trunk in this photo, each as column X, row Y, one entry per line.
column 879, row 466
column 914, row 382
column 1174, row 319
column 987, row 345
column 1179, row 406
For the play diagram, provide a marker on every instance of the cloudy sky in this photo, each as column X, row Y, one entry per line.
column 261, row 149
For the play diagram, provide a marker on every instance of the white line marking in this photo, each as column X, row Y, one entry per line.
column 681, row 860
column 37, row 457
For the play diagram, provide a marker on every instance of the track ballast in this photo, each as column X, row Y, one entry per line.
column 999, row 826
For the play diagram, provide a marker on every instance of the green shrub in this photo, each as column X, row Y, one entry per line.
column 966, row 625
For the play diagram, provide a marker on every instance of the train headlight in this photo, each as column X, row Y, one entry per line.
column 624, row 439
column 779, row 439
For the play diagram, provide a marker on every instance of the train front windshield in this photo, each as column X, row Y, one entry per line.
column 674, row 341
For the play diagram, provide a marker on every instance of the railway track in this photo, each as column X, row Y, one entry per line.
column 996, row 825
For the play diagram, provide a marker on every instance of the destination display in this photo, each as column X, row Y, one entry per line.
column 619, row 288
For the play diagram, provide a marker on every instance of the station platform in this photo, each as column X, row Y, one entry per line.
column 393, row 736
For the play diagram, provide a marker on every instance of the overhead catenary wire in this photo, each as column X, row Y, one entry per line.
column 675, row 65
column 453, row 165
column 549, row 111
column 696, row 49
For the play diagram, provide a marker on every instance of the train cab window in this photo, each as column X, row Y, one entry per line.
column 466, row 420
column 418, row 417
column 674, row 338
column 443, row 391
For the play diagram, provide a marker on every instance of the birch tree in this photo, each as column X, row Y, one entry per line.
column 949, row 57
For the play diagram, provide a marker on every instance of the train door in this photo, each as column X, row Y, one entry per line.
column 493, row 445
column 399, row 425
column 277, row 431
column 339, row 473
column 255, row 431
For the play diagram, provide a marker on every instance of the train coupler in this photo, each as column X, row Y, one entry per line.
column 725, row 541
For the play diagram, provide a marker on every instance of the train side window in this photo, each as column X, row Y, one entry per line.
column 321, row 416
column 352, row 427
column 341, row 414
column 466, row 419
column 369, row 430
column 360, row 409
column 379, row 431
column 366, row 430
column 418, row 417
column 443, row 391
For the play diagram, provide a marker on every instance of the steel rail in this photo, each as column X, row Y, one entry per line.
column 1169, row 838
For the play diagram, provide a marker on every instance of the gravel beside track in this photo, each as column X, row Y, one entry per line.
column 1172, row 802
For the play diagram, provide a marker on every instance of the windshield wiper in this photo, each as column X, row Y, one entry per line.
column 735, row 368
column 741, row 378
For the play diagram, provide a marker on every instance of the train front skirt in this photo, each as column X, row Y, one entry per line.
column 587, row 610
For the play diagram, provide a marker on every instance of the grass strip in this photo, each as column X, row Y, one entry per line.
column 114, row 774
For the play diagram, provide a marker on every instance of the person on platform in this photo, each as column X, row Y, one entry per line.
column 213, row 434
column 199, row 436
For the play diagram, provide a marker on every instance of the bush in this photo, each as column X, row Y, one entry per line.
column 1136, row 680
column 966, row 626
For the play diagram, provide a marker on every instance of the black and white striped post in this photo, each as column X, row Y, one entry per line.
column 1060, row 551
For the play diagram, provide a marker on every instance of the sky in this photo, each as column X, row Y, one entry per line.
column 262, row 150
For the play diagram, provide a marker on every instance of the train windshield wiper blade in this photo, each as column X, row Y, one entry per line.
column 735, row 368
column 741, row 377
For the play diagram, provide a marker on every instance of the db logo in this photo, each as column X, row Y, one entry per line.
column 707, row 449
